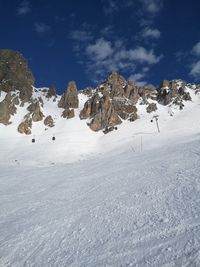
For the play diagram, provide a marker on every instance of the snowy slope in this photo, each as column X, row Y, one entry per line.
column 75, row 141
column 129, row 198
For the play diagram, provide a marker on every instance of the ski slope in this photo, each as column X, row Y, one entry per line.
column 128, row 198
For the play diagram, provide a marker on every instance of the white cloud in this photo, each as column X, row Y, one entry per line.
column 196, row 49
column 139, row 54
column 195, row 70
column 152, row 6
column 136, row 78
column 151, row 33
column 81, row 35
column 104, row 56
column 110, row 7
column 100, row 50
column 24, row 8
column 41, row 28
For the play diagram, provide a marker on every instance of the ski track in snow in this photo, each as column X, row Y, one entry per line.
column 127, row 209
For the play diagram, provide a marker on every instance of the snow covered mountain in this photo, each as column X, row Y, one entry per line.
column 95, row 195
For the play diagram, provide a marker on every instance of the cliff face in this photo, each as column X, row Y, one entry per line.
column 15, row 74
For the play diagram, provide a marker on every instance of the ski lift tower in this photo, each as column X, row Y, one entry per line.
column 156, row 120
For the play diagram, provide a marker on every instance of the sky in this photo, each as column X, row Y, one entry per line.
column 146, row 41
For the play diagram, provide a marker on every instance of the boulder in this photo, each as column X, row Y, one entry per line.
column 25, row 126
column 7, row 108
column 70, row 97
column 133, row 117
column 15, row 74
column 109, row 129
column 48, row 121
column 68, row 113
column 35, row 110
column 151, row 107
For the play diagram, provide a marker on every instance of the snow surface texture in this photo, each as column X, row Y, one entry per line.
column 129, row 198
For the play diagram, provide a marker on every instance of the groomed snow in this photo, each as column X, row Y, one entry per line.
column 129, row 198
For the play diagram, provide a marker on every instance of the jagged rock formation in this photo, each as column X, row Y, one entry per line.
column 15, row 74
column 48, row 121
column 151, row 107
column 88, row 91
column 105, row 115
column 26, row 125
column 68, row 113
column 113, row 101
column 8, row 108
column 70, row 97
column 124, row 107
column 35, row 110
column 148, row 93
column 173, row 92
column 51, row 92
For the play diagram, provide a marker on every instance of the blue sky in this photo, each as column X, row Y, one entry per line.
column 144, row 40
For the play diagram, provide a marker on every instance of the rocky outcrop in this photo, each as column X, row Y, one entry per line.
column 91, row 107
column 8, row 108
column 123, row 107
column 147, row 92
column 68, row 113
column 35, row 110
column 48, row 121
column 106, row 115
column 25, row 126
column 173, row 93
column 51, row 92
column 88, row 91
column 70, row 97
column 15, row 74
column 118, row 102
column 151, row 107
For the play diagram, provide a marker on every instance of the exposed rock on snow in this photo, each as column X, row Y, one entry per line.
column 151, row 107
column 105, row 116
column 173, row 93
column 69, row 98
column 124, row 107
column 35, row 109
column 88, row 91
column 48, row 121
column 68, row 113
column 15, row 74
column 51, row 92
column 8, row 108
column 25, row 126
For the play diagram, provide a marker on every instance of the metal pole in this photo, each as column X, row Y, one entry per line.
column 157, row 125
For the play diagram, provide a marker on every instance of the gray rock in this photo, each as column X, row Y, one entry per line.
column 15, row 74
column 7, row 108
column 35, row 110
column 151, row 107
column 25, row 126
column 70, row 97
column 68, row 113
column 48, row 121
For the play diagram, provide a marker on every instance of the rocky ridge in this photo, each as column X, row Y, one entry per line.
column 105, row 107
